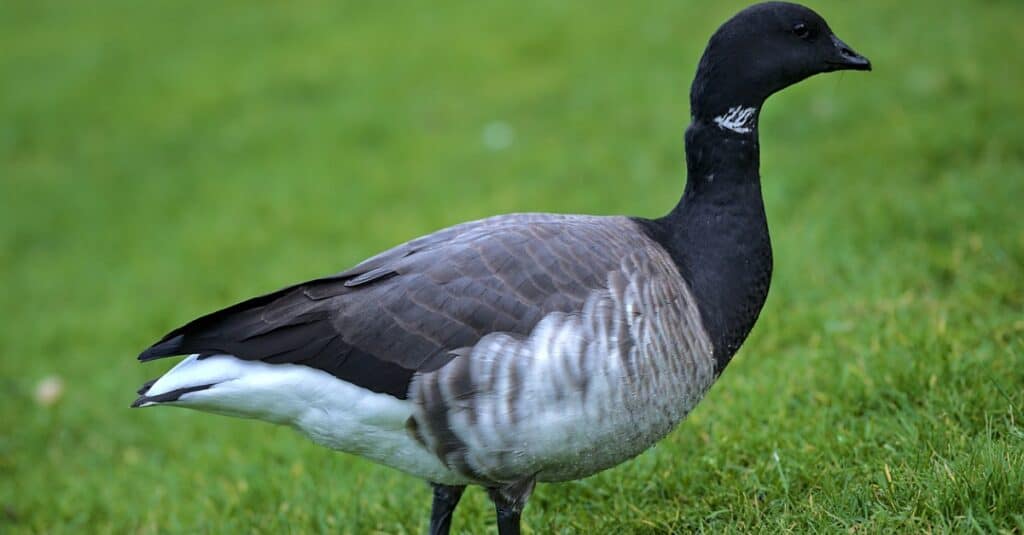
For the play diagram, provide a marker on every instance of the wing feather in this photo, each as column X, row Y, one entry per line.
column 412, row 307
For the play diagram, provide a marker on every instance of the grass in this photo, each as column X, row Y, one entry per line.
column 159, row 160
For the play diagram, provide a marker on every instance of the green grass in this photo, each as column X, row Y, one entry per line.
column 162, row 159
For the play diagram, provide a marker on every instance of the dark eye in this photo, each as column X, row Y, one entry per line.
column 801, row 30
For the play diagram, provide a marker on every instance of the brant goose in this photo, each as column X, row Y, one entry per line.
column 526, row 347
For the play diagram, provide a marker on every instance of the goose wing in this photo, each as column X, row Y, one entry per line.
column 413, row 307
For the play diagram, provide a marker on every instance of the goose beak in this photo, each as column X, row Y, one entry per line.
column 845, row 58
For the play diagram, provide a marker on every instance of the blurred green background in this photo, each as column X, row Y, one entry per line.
column 162, row 159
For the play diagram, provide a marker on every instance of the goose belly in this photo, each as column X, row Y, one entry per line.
column 584, row 392
column 615, row 420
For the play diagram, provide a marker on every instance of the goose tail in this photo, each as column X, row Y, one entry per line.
column 196, row 373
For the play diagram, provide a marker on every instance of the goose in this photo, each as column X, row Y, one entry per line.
column 531, row 347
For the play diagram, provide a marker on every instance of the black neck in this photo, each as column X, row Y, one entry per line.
column 718, row 234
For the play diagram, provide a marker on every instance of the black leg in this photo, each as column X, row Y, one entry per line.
column 509, row 502
column 508, row 520
column 445, row 500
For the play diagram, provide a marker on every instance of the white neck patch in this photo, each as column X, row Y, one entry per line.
column 737, row 119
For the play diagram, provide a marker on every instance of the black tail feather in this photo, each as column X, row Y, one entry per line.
column 173, row 395
column 163, row 348
column 145, row 387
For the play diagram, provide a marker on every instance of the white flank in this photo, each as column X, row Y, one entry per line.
column 736, row 119
column 332, row 412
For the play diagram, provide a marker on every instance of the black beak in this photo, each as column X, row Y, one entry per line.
column 844, row 58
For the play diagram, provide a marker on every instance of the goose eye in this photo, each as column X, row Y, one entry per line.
column 802, row 31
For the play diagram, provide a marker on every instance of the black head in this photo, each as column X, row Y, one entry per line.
column 763, row 49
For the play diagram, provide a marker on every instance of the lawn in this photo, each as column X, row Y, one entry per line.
column 162, row 159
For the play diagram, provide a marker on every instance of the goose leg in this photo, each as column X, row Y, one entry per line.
column 508, row 520
column 445, row 500
column 509, row 502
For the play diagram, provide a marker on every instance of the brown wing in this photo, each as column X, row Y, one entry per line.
column 407, row 309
